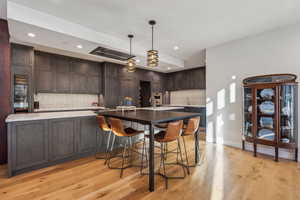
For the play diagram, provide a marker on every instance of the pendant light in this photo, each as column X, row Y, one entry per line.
column 152, row 55
column 131, row 63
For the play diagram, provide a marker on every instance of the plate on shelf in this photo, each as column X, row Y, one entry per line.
column 266, row 122
column 267, row 93
column 267, row 107
column 266, row 134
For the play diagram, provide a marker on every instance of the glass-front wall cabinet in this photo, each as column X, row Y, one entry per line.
column 271, row 111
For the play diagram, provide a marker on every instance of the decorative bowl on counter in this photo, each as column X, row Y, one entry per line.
column 267, row 107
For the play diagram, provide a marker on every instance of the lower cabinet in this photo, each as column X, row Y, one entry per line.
column 28, row 144
column 87, row 135
column 62, row 138
column 41, row 143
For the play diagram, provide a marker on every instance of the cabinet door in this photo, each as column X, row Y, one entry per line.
column 93, row 84
column 22, row 55
column 62, row 139
column 87, row 135
column 79, row 83
column 63, row 82
column 45, row 81
column 29, row 144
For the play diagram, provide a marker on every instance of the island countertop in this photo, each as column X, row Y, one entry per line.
column 48, row 115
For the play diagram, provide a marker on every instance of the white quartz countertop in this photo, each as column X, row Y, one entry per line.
column 182, row 105
column 162, row 108
column 70, row 109
column 48, row 115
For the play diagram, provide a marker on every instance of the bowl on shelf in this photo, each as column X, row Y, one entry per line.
column 266, row 122
column 267, row 107
column 267, row 93
column 266, row 134
column 285, row 140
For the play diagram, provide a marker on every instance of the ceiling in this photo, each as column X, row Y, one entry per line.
column 191, row 25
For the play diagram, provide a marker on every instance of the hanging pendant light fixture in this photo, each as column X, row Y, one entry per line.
column 152, row 55
column 131, row 63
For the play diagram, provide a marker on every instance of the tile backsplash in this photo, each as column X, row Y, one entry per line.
column 54, row 100
column 188, row 97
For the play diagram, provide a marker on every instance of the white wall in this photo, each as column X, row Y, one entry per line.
column 3, row 9
column 276, row 51
column 196, row 60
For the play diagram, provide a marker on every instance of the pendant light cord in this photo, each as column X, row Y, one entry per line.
column 152, row 36
column 130, row 46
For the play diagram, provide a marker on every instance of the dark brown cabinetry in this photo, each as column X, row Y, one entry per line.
column 188, row 79
column 61, row 74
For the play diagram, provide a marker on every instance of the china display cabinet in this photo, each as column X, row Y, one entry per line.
column 270, row 112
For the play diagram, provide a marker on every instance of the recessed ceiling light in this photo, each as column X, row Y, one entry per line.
column 79, row 46
column 138, row 61
column 31, row 35
column 175, row 48
column 169, row 68
column 233, row 77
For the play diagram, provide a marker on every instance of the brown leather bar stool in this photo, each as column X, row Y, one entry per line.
column 171, row 134
column 104, row 126
column 119, row 130
column 190, row 129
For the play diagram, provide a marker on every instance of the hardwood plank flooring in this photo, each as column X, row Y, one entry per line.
column 224, row 173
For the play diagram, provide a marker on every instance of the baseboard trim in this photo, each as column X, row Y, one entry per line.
column 263, row 149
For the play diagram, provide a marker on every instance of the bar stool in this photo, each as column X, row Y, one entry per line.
column 164, row 137
column 190, row 129
column 105, row 127
column 119, row 130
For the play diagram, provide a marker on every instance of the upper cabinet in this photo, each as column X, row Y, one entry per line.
column 61, row 74
column 188, row 79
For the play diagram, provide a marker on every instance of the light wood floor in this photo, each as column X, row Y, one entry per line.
column 225, row 173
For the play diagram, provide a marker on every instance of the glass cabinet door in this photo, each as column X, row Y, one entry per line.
column 288, row 115
column 266, row 113
column 248, row 100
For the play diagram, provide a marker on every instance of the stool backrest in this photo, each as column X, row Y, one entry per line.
column 173, row 130
column 117, row 126
column 102, row 123
column 192, row 126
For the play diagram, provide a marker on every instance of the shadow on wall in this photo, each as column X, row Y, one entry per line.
column 215, row 126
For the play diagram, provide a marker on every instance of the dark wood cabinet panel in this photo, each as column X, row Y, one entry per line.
column 60, row 64
column 45, row 81
column 62, row 138
column 63, row 82
column 29, row 144
column 93, row 84
column 188, row 79
column 87, row 135
column 22, row 55
column 85, row 67
column 42, row 61
column 79, row 83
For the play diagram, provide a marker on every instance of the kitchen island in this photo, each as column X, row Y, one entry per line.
column 37, row 140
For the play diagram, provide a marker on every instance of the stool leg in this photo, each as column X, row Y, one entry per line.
column 123, row 159
column 186, row 156
column 163, row 163
column 111, row 149
column 142, row 160
column 179, row 146
column 107, row 147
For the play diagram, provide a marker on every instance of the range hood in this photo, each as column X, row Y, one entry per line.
column 109, row 53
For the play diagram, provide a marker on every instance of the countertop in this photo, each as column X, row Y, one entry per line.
column 48, row 115
column 162, row 108
column 69, row 109
column 73, row 114
column 182, row 105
